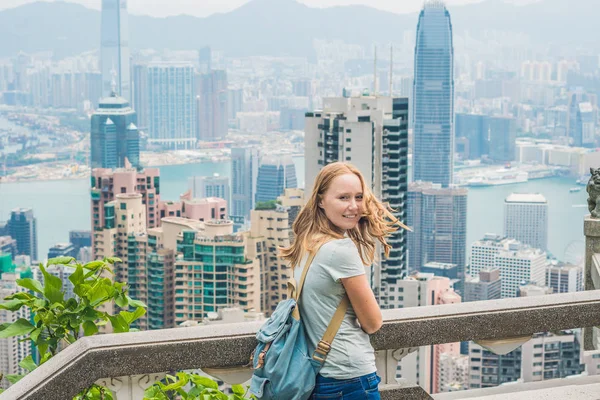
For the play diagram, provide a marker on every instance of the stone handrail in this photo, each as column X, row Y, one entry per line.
column 222, row 346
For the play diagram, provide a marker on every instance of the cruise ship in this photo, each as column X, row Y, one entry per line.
column 499, row 177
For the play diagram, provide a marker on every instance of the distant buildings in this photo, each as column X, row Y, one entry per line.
column 583, row 114
column 8, row 245
column 438, row 217
column 486, row 285
column 371, row 132
column 114, row 135
column 275, row 174
column 114, row 49
column 22, row 227
column 489, row 369
column 433, row 104
column 210, row 186
column 172, row 105
column 62, row 250
column 244, row 174
column 564, row 278
column 518, row 263
column 474, row 128
column 503, row 136
column 211, row 103
column 526, row 219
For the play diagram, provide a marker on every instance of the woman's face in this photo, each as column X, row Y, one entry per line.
column 343, row 201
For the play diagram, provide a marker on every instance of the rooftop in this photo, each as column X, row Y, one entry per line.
column 526, row 198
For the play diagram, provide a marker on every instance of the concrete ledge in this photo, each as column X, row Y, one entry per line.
column 403, row 392
column 576, row 388
column 229, row 345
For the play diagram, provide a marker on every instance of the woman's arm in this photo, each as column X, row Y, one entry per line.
column 363, row 301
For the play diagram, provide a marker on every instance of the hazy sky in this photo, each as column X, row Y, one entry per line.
column 203, row 8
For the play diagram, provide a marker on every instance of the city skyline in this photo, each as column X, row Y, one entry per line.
column 209, row 7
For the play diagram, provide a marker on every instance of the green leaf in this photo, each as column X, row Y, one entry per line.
column 35, row 334
column 31, row 284
column 60, row 260
column 135, row 303
column 28, row 363
column 20, row 296
column 89, row 328
column 17, row 328
column 204, row 381
column 118, row 323
column 132, row 316
column 177, row 384
column 93, row 265
column 45, row 357
column 14, row 378
column 13, row 305
column 112, row 260
column 77, row 277
column 52, row 287
column 238, row 389
column 121, row 301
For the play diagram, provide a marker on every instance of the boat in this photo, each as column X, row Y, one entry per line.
column 575, row 189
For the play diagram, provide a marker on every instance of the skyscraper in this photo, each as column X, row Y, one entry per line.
column 139, row 97
column 526, row 219
column 114, row 49
column 275, row 174
column 475, row 128
column 438, row 217
column 171, row 105
column 503, row 136
column 212, row 105
column 22, row 227
column 433, row 105
column 371, row 132
column 114, row 135
column 484, row 286
column 210, row 186
column 244, row 173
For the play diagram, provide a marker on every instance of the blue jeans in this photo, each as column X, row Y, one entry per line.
column 364, row 387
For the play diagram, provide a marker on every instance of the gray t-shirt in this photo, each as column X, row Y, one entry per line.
column 351, row 353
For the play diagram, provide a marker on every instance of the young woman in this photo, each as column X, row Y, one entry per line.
column 343, row 217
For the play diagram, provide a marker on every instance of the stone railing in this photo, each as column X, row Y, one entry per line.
column 591, row 228
column 129, row 362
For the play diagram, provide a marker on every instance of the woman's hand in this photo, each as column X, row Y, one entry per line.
column 363, row 302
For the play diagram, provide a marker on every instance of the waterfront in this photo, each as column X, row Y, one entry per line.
column 61, row 206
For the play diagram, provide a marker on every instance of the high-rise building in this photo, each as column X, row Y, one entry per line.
column 210, row 186
column 453, row 372
column 503, row 136
column 518, row 263
column 582, row 115
column 445, row 270
column 438, row 217
column 275, row 174
column 564, row 278
column 114, row 135
column 212, row 111
column 235, row 102
column 106, row 184
column 371, row 132
column 8, row 245
column 244, row 174
column 80, row 239
column 139, row 98
column 526, row 219
column 62, row 250
column 171, row 105
column 14, row 349
column 269, row 231
column 489, row 369
column 205, row 60
column 552, row 356
column 487, row 285
column 114, row 49
column 23, row 228
column 475, row 128
column 433, row 105
column 421, row 367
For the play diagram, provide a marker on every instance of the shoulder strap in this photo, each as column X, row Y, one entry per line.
column 324, row 345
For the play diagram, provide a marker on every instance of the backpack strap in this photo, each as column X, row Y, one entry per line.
column 324, row 345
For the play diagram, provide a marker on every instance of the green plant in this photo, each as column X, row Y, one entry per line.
column 58, row 321
column 202, row 388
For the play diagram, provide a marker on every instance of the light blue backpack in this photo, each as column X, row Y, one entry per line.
column 283, row 369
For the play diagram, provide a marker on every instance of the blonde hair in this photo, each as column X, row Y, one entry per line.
column 312, row 227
